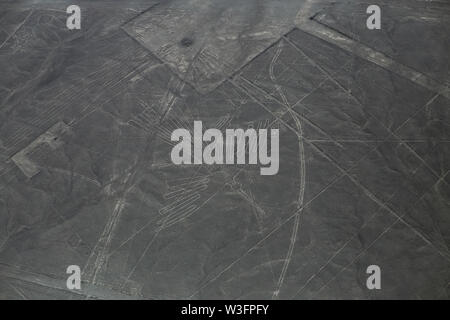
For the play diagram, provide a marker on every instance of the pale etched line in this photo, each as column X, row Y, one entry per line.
column 163, row 165
column 148, row 114
column 175, row 123
column 305, row 119
column 123, row 74
column 189, row 182
column 277, row 117
column 104, row 241
column 188, row 194
column 329, row 35
column 25, row 123
column 103, row 71
column 394, row 133
column 259, row 213
column 252, row 202
column 251, row 96
column 328, row 78
column 429, row 102
column 169, row 99
column 17, row 29
column 163, row 226
column 179, row 209
column 144, row 121
column 321, row 83
column 53, row 282
column 71, row 173
column 136, row 122
column 54, row 110
column 379, row 202
column 164, row 133
column 297, row 216
column 172, row 124
column 112, row 81
column 137, row 125
column 101, row 257
column 329, row 185
column 17, row 133
column 176, row 219
column 151, row 112
column 180, row 202
column 305, row 12
column 313, row 63
column 19, row 144
column 166, row 140
column 419, row 157
column 147, row 118
column 49, row 114
column 268, row 235
column 147, row 224
column 363, row 251
column 140, row 258
column 206, row 62
column 199, row 187
column 221, row 121
column 241, row 257
column 336, row 253
column 274, row 230
column 19, row 292
column 302, row 173
column 18, row 137
column 359, row 102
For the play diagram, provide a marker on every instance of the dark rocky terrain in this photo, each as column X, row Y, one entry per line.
column 86, row 177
